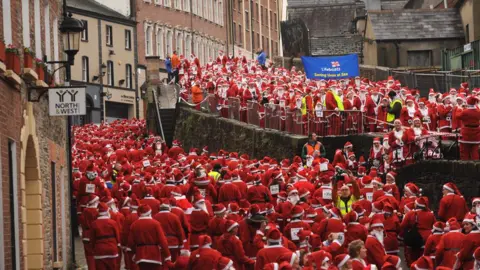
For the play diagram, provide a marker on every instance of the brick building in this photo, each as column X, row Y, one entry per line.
column 186, row 26
column 252, row 25
column 34, row 197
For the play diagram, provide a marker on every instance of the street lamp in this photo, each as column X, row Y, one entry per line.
column 71, row 30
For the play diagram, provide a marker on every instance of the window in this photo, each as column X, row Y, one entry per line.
column 275, row 21
column 233, row 4
column 220, row 12
column 85, row 31
column 234, row 33
column 215, row 11
column 258, row 40
column 25, row 22
column 240, row 34
column 263, row 15
column 247, row 21
column 128, row 39
column 110, row 75
column 188, row 45
column 178, row 44
column 148, row 40
column 85, row 69
column 38, row 31
column 186, row 5
column 128, row 76
column 419, row 58
column 47, row 37
column 53, row 176
column 169, row 43
column 176, row 4
column 253, row 40
column 159, row 39
column 167, row 3
column 271, row 19
column 258, row 13
column 271, row 44
column 467, row 33
column 109, row 36
column 200, row 8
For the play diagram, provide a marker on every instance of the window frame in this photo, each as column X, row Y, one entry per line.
column 85, row 69
column 109, row 36
column 84, row 34
column 128, row 76
column 128, row 39
column 110, row 73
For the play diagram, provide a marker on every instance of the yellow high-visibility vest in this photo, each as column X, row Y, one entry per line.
column 338, row 100
column 391, row 116
column 303, row 109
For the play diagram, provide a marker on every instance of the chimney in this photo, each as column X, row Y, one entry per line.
column 372, row 5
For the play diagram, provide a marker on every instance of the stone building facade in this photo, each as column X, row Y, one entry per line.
column 34, row 197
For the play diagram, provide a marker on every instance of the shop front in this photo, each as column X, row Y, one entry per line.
column 118, row 104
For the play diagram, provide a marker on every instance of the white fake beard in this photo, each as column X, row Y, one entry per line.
column 114, row 208
column 378, row 235
column 294, row 199
column 476, row 265
column 432, row 99
column 477, row 210
column 203, row 207
column 158, row 152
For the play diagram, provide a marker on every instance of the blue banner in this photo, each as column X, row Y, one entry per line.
column 331, row 67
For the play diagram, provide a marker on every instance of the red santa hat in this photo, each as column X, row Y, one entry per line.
column 470, row 218
column 92, row 199
column 476, row 254
column 423, row 263
column 303, row 192
column 388, row 208
column 393, row 260
column 233, row 207
column 453, row 224
column 351, row 217
column 377, row 206
column 103, row 209
column 421, row 202
column 348, row 144
column 376, row 223
column 204, row 240
column 230, row 225
column 431, row 92
column 472, row 100
column 341, row 260
column 412, row 188
column 144, row 210
column 361, row 170
column 392, row 175
column 297, row 212
column 451, row 187
column 274, row 235
column 438, row 227
column 378, row 181
column 335, row 212
column 291, row 190
column 366, row 180
column 198, row 198
column 219, row 209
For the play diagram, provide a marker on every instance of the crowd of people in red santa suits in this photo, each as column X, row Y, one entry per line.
column 159, row 207
column 320, row 102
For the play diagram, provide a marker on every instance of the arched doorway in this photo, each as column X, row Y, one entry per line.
column 31, row 187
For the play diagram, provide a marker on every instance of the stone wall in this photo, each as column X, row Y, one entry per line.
column 431, row 175
column 197, row 129
column 336, row 45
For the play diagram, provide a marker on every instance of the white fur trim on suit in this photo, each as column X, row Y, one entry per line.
column 347, row 257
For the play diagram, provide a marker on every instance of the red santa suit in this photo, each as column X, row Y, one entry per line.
column 105, row 238
column 89, row 215
column 172, row 228
column 296, row 224
column 231, row 247
column 397, row 139
column 370, row 109
column 198, row 225
column 334, row 118
column 444, row 117
column 432, row 242
column 450, row 244
column 205, row 257
column 272, row 252
column 127, row 223
column 148, row 242
column 470, row 132
column 375, row 251
column 259, row 194
column 452, row 204
column 228, row 193
column 407, row 115
column 465, row 259
column 428, row 117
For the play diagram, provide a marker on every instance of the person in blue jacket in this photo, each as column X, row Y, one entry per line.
column 262, row 58
column 168, row 67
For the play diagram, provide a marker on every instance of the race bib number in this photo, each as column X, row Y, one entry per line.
column 398, row 154
column 274, row 189
column 319, row 113
column 369, row 196
column 341, row 237
column 294, row 233
column 146, row 163
column 376, row 163
column 181, row 72
column 323, row 167
column 426, row 119
column 90, row 188
column 194, row 72
column 282, row 103
column 327, row 194
column 202, row 192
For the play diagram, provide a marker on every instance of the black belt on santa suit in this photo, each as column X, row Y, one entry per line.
column 471, row 126
column 143, row 245
column 105, row 237
column 452, row 249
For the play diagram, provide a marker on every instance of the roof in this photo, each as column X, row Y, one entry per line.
column 91, row 6
column 314, row 3
column 393, row 4
column 416, row 24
